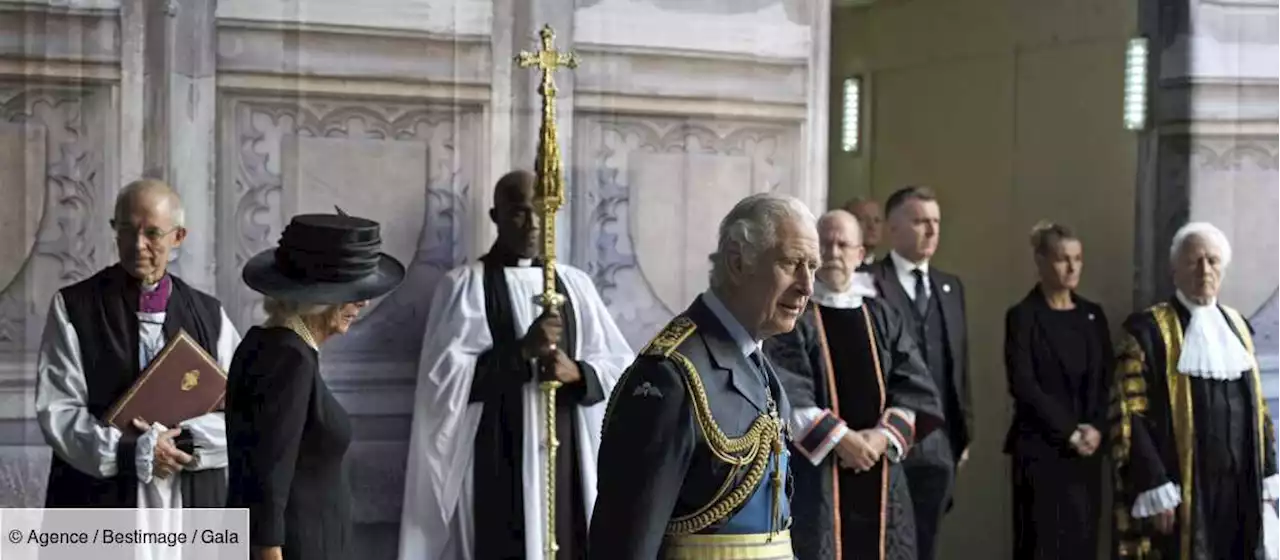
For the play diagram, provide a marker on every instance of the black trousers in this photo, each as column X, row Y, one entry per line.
column 1056, row 503
column 931, row 472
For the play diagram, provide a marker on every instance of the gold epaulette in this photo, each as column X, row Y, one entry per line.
column 670, row 337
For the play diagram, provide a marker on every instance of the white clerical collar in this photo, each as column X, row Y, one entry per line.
column 737, row 332
column 861, row 285
column 523, row 263
column 1210, row 348
column 904, row 266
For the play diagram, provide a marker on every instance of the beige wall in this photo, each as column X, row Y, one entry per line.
column 1012, row 112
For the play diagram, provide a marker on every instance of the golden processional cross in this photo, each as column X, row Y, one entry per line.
column 550, row 196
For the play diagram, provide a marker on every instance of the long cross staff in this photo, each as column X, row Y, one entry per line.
column 550, row 196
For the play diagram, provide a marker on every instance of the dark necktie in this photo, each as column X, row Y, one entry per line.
column 921, row 296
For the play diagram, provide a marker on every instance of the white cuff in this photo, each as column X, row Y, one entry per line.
column 1076, row 436
column 894, row 453
column 1157, row 500
column 144, row 454
column 836, row 435
column 1271, row 487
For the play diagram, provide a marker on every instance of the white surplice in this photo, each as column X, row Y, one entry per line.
column 437, row 516
column 89, row 445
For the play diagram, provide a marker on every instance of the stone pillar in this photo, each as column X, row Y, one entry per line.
column 1209, row 153
column 179, row 105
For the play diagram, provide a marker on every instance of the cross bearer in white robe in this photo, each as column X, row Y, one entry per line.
column 475, row 486
column 100, row 335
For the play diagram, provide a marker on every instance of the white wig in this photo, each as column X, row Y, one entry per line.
column 751, row 227
column 1207, row 232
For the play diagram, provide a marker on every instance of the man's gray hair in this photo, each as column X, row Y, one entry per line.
column 1207, row 232
column 281, row 310
column 126, row 195
column 751, row 227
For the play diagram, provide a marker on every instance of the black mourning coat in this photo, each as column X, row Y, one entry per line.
column 1056, row 492
column 287, row 438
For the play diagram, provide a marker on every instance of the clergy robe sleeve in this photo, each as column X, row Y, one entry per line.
column 647, row 444
column 285, row 382
column 1055, row 422
column 208, row 433
column 442, row 430
column 914, row 406
column 76, row 436
column 799, row 362
column 499, row 369
column 603, row 352
column 1271, row 480
column 1137, row 454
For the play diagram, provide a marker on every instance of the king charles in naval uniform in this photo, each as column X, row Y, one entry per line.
column 693, row 457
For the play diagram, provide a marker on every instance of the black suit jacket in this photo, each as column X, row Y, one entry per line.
column 950, row 290
column 1046, row 409
column 654, row 461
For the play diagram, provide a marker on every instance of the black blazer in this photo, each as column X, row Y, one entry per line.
column 1046, row 410
column 286, row 439
column 950, row 290
column 655, row 462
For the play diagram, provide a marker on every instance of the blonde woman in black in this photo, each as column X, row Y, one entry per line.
column 1058, row 357
column 287, row 434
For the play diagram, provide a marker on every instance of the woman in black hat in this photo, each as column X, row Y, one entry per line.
column 286, row 434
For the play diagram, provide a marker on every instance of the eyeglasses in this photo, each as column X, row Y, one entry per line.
column 152, row 234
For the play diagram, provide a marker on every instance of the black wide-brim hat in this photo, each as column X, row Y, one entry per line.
column 325, row 259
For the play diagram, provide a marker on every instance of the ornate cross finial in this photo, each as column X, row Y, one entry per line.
column 548, row 59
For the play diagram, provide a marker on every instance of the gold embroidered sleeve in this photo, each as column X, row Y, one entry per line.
column 1128, row 399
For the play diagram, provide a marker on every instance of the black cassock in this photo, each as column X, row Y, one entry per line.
column 1213, row 438
column 103, row 310
column 862, row 366
column 500, row 377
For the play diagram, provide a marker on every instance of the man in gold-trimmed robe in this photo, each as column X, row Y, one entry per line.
column 1192, row 441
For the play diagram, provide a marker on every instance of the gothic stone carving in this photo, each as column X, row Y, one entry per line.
column 250, row 202
column 609, row 182
column 72, row 240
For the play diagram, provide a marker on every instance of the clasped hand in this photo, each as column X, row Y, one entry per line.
column 168, row 459
column 1089, row 440
column 540, row 343
column 861, row 450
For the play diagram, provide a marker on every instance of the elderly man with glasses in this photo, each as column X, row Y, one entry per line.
column 100, row 335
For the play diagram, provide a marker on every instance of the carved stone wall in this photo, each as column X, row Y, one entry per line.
column 59, row 143
column 651, row 190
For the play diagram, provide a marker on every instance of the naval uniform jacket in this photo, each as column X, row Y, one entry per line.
column 660, row 455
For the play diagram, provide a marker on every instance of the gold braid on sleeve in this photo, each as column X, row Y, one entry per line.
column 1128, row 398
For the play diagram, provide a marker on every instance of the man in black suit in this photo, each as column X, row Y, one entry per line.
column 932, row 303
column 702, row 406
